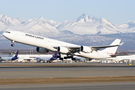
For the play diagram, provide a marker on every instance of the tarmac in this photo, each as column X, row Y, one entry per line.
column 43, row 70
column 74, row 86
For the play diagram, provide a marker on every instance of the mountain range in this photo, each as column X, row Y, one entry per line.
column 85, row 30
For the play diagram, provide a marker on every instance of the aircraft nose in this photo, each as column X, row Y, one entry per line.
column 6, row 34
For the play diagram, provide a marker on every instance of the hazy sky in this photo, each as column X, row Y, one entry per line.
column 115, row 11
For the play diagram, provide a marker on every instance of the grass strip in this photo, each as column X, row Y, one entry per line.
column 66, row 80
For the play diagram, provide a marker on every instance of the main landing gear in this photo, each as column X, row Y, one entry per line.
column 65, row 57
column 59, row 56
column 12, row 43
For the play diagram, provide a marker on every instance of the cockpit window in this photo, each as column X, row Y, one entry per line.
column 7, row 32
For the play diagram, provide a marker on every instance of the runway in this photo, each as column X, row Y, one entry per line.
column 43, row 70
column 77, row 70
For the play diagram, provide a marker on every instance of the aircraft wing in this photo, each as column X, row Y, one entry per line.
column 71, row 50
column 95, row 48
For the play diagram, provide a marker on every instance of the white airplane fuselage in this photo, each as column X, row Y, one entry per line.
column 39, row 41
column 6, row 58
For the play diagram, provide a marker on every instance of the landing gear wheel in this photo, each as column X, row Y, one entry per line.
column 61, row 59
column 12, row 45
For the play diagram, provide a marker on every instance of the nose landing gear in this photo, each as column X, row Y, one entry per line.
column 12, row 43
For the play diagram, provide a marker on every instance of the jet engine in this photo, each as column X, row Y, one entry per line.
column 63, row 50
column 41, row 50
column 86, row 49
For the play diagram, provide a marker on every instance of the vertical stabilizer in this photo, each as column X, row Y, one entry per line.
column 112, row 50
column 54, row 57
column 16, row 56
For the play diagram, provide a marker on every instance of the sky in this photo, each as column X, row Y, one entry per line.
column 115, row 11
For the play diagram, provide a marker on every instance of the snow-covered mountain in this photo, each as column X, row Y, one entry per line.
column 39, row 26
column 85, row 30
column 89, row 25
column 82, row 25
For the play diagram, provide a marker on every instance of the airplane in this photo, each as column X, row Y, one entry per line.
column 118, row 58
column 10, row 58
column 45, row 45
column 48, row 58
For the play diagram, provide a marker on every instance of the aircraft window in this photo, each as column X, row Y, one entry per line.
column 7, row 32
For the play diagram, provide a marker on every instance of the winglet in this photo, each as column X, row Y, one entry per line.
column 121, row 43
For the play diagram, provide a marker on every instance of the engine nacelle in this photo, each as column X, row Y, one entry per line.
column 86, row 49
column 41, row 50
column 63, row 50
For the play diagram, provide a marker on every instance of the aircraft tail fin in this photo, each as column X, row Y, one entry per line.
column 16, row 56
column 54, row 57
column 112, row 50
